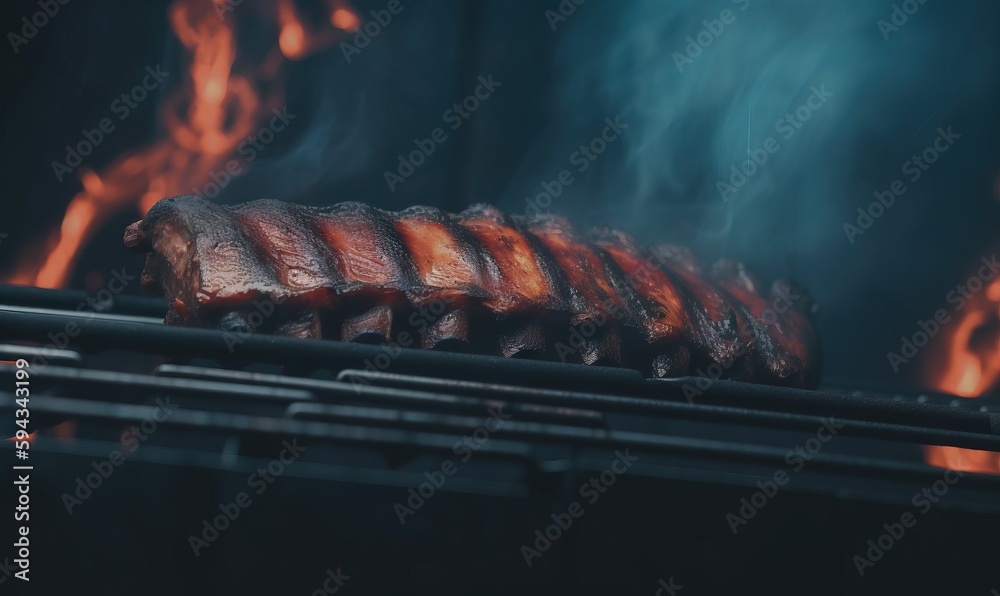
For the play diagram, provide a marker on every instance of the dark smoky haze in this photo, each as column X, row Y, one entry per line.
column 830, row 102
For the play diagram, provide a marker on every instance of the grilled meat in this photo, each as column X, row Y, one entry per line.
column 478, row 281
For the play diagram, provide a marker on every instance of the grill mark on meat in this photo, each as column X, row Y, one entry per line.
column 373, row 262
column 446, row 262
column 666, row 318
column 205, row 259
column 521, row 285
column 515, row 286
column 714, row 322
column 298, row 259
column 776, row 351
column 590, row 290
column 638, row 307
column 555, row 277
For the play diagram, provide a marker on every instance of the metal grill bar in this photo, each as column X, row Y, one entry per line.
column 953, row 426
column 423, row 401
column 102, row 379
column 188, row 342
column 310, row 430
column 339, row 391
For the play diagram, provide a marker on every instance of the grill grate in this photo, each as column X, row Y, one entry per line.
column 562, row 417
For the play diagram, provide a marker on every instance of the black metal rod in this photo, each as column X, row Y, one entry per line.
column 967, row 417
column 71, row 300
column 214, row 344
column 580, row 438
column 921, row 423
column 111, row 380
column 164, row 340
column 370, row 394
column 15, row 352
column 581, row 405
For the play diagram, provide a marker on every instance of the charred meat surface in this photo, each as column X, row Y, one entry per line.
column 476, row 281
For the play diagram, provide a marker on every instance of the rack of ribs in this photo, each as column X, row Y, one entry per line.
column 477, row 281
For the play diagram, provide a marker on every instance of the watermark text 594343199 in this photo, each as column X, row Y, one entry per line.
column 21, row 469
column 29, row 26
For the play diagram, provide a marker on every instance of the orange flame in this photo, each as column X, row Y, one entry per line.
column 970, row 368
column 343, row 18
column 64, row 432
column 297, row 39
column 29, row 438
column 205, row 118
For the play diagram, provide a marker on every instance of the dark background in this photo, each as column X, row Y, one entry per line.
column 607, row 59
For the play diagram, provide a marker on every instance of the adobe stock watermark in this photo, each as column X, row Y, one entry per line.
column 91, row 306
column 913, row 169
column 463, row 449
column 898, row 16
column 958, row 298
column 713, row 30
column 563, row 12
column 249, row 149
column 895, row 531
column 261, row 311
column 33, row 23
column 224, row 7
column 229, row 512
column 786, row 127
column 579, row 334
column 796, row 458
column 591, row 491
column 130, row 440
column 6, row 570
column 381, row 19
column 786, row 297
column 122, row 107
column 332, row 582
column 581, row 158
column 667, row 587
column 420, row 320
column 454, row 117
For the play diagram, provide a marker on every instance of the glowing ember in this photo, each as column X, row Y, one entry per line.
column 965, row 460
column 205, row 118
column 297, row 39
column 970, row 358
column 292, row 37
column 63, row 432
column 343, row 18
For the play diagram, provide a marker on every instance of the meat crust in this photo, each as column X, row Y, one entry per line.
column 478, row 281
